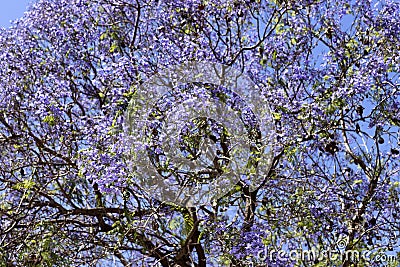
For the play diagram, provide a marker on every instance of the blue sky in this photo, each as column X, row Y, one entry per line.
column 11, row 10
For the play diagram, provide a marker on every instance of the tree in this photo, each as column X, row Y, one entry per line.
column 328, row 69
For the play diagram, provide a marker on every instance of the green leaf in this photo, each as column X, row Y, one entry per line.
column 50, row 120
column 274, row 55
column 174, row 224
column 103, row 36
column 26, row 184
column 276, row 115
column 113, row 47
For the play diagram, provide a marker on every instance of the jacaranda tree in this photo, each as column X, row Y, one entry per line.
column 73, row 194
